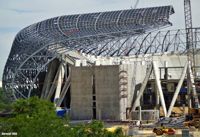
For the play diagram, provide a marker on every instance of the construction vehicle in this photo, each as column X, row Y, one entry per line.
column 164, row 130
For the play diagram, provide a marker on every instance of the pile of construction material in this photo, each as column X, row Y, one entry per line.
column 177, row 122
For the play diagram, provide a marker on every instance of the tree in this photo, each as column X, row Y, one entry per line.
column 4, row 102
column 34, row 117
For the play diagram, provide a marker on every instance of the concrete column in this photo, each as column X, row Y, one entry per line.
column 166, row 70
column 123, row 91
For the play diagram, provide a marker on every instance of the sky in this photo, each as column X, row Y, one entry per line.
column 17, row 14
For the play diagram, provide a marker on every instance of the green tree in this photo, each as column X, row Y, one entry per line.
column 4, row 102
column 34, row 117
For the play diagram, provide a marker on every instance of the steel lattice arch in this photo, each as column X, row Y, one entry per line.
column 113, row 34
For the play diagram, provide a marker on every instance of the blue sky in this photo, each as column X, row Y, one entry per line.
column 17, row 14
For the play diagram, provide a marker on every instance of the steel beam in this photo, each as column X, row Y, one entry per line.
column 177, row 89
column 141, row 91
column 158, row 84
column 65, row 89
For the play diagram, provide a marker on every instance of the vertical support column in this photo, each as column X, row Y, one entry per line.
column 158, row 83
column 166, row 70
column 94, row 107
column 123, row 81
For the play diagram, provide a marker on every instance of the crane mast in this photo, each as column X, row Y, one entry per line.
column 190, row 54
column 136, row 4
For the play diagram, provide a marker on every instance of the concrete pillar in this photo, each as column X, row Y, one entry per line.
column 166, row 70
column 123, row 91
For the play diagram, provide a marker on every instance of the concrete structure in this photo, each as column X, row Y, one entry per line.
column 100, row 100
column 117, row 87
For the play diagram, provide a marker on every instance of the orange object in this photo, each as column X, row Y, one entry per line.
column 161, row 131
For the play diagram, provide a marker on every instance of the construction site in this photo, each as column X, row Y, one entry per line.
column 116, row 66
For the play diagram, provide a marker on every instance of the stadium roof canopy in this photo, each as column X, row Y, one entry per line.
column 38, row 44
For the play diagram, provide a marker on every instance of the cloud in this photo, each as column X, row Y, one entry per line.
column 26, row 11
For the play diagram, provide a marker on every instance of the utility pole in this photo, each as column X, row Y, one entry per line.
column 190, row 53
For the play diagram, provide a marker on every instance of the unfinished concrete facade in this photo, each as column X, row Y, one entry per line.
column 116, row 87
column 95, row 93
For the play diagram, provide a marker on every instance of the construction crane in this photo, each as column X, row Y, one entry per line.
column 136, row 4
column 190, row 54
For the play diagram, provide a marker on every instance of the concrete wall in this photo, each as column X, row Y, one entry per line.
column 81, row 93
column 107, row 92
column 106, row 88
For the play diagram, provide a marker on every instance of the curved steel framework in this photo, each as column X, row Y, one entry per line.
column 115, row 33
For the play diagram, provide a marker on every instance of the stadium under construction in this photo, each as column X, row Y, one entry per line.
column 107, row 65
